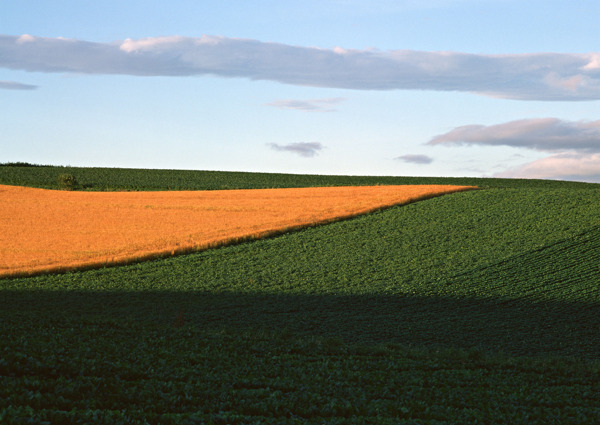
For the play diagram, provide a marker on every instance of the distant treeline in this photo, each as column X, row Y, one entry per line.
column 20, row 164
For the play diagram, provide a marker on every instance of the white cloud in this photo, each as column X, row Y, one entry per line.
column 306, row 149
column 14, row 85
column 415, row 159
column 148, row 44
column 594, row 63
column 25, row 38
column 543, row 134
column 311, row 105
column 563, row 166
column 538, row 76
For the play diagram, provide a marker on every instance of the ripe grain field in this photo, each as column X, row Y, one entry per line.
column 43, row 231
column 480, row 306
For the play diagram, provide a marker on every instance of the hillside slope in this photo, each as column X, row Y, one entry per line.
column 479, row 306
column 384, row 277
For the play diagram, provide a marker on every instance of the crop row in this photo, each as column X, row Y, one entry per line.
column 559, row 272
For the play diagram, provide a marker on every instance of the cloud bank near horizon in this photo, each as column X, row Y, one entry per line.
column 563, row 166
column 535, row 76
column 542, row 134
column 575, row 146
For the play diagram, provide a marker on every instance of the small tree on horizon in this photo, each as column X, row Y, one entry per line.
column 67, row 182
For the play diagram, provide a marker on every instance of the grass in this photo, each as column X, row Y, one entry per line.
column 480, row 306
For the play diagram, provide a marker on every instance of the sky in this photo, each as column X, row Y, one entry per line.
column 481, row 88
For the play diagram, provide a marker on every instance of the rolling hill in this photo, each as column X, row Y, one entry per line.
column 480, row 305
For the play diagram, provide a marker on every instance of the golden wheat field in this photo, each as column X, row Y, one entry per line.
column 49, row 231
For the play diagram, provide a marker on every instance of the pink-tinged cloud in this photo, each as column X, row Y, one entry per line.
column 575, row 144
column 534, row 76
column 543, row 134
column 306, row 149
column 563, row 166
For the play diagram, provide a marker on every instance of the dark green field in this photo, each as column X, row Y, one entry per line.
column 474, row 307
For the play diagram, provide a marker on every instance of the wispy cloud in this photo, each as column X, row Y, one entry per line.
column 575, row 144
column 544, row 134
column 311, row 105
column 415, row 159
column 14, row 85
column 535, row 76
column 306, row 149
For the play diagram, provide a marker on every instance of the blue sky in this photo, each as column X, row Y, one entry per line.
column 425, row 88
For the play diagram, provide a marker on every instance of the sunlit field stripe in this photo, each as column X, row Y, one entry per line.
column 43, row 231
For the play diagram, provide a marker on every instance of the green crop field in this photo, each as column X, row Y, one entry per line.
column 474, row 307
